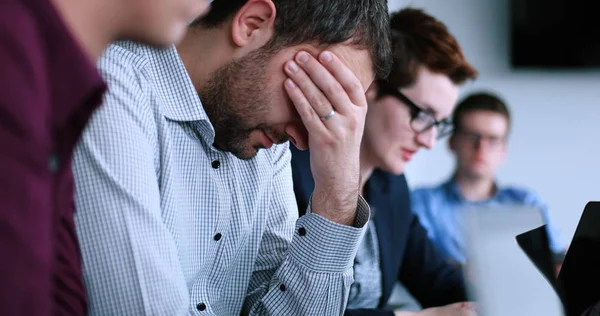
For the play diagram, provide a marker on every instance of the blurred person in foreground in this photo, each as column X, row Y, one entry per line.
column 407, row 111
column 50, row 87
column 479, row 143
column 185, row 201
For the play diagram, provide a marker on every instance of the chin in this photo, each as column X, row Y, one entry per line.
column 478, row 173
column 166, row 36
column 241, row 151
column 246, row 154
column 175, row 35
column 395, row 167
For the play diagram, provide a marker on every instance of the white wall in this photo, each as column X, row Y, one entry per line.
column 555, row 142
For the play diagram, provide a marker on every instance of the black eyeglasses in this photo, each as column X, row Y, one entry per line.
column 476, row 139
column 421, row 120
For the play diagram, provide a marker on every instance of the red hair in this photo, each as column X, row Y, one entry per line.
column 419, row 39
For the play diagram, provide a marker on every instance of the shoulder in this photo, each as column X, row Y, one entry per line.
column 427, row 191
column 128, row 116
column 428, row 199
column 121, row 59
column 520, row 194
column 123, row 67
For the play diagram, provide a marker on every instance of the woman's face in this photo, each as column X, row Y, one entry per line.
column 389, row 142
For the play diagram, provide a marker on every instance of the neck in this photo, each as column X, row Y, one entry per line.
column 474, row 188
column 91, row 24
column 200, row 54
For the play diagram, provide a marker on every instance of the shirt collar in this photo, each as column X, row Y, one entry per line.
column 453, row 190
column 180, row 100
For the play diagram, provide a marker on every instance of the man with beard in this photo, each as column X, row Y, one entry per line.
column 184, row 190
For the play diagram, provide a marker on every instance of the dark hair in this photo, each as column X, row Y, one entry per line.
column 481, row 101
column 418, row 39
column 323, row 22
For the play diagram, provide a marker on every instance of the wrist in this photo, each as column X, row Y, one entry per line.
column 338, row 208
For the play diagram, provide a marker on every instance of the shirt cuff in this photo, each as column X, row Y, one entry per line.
column 325, row 246
column 363, row 212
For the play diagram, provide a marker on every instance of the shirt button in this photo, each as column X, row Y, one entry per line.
column 218, row 237
column 201, row 307
column 282, row 287
column 302, row 231
column 216, row 164
column 53, row 162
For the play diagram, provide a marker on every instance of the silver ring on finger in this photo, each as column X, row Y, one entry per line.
column 328, row 116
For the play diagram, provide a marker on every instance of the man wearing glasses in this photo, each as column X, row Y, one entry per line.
column 479, row 143
column 408, row 111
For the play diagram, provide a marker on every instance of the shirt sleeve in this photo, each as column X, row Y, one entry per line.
column 535, row 200
column 26, row 217
column 130, row 260
column 304, row 266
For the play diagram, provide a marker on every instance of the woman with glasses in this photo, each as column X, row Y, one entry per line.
column 407, row 111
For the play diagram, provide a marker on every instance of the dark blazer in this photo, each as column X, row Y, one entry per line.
column 406, row 253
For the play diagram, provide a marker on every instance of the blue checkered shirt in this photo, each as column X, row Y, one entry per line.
column 168, row 225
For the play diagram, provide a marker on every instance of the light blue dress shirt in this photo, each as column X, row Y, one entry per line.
column 440, row 211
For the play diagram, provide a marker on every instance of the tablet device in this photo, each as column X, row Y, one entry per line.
column 580, row 272
column 536, row 245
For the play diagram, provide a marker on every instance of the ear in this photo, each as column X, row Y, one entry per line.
column 253, row 25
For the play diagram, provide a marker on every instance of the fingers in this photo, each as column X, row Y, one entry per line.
column 320, row 103
column 345, row 77
column 309, row 116
column 320, row 87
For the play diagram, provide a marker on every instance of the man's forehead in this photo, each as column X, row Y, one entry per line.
column 357, row 60
column 485, row 123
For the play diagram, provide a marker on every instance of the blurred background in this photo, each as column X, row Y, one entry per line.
column 554, row 144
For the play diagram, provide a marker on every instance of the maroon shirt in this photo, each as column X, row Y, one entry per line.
column 48, row 90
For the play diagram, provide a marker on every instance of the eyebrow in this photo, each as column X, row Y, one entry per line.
column 429, row 109
column 425, row 107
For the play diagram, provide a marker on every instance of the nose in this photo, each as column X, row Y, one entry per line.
column 482, row 145
column 298, row 135
column 427, row 139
